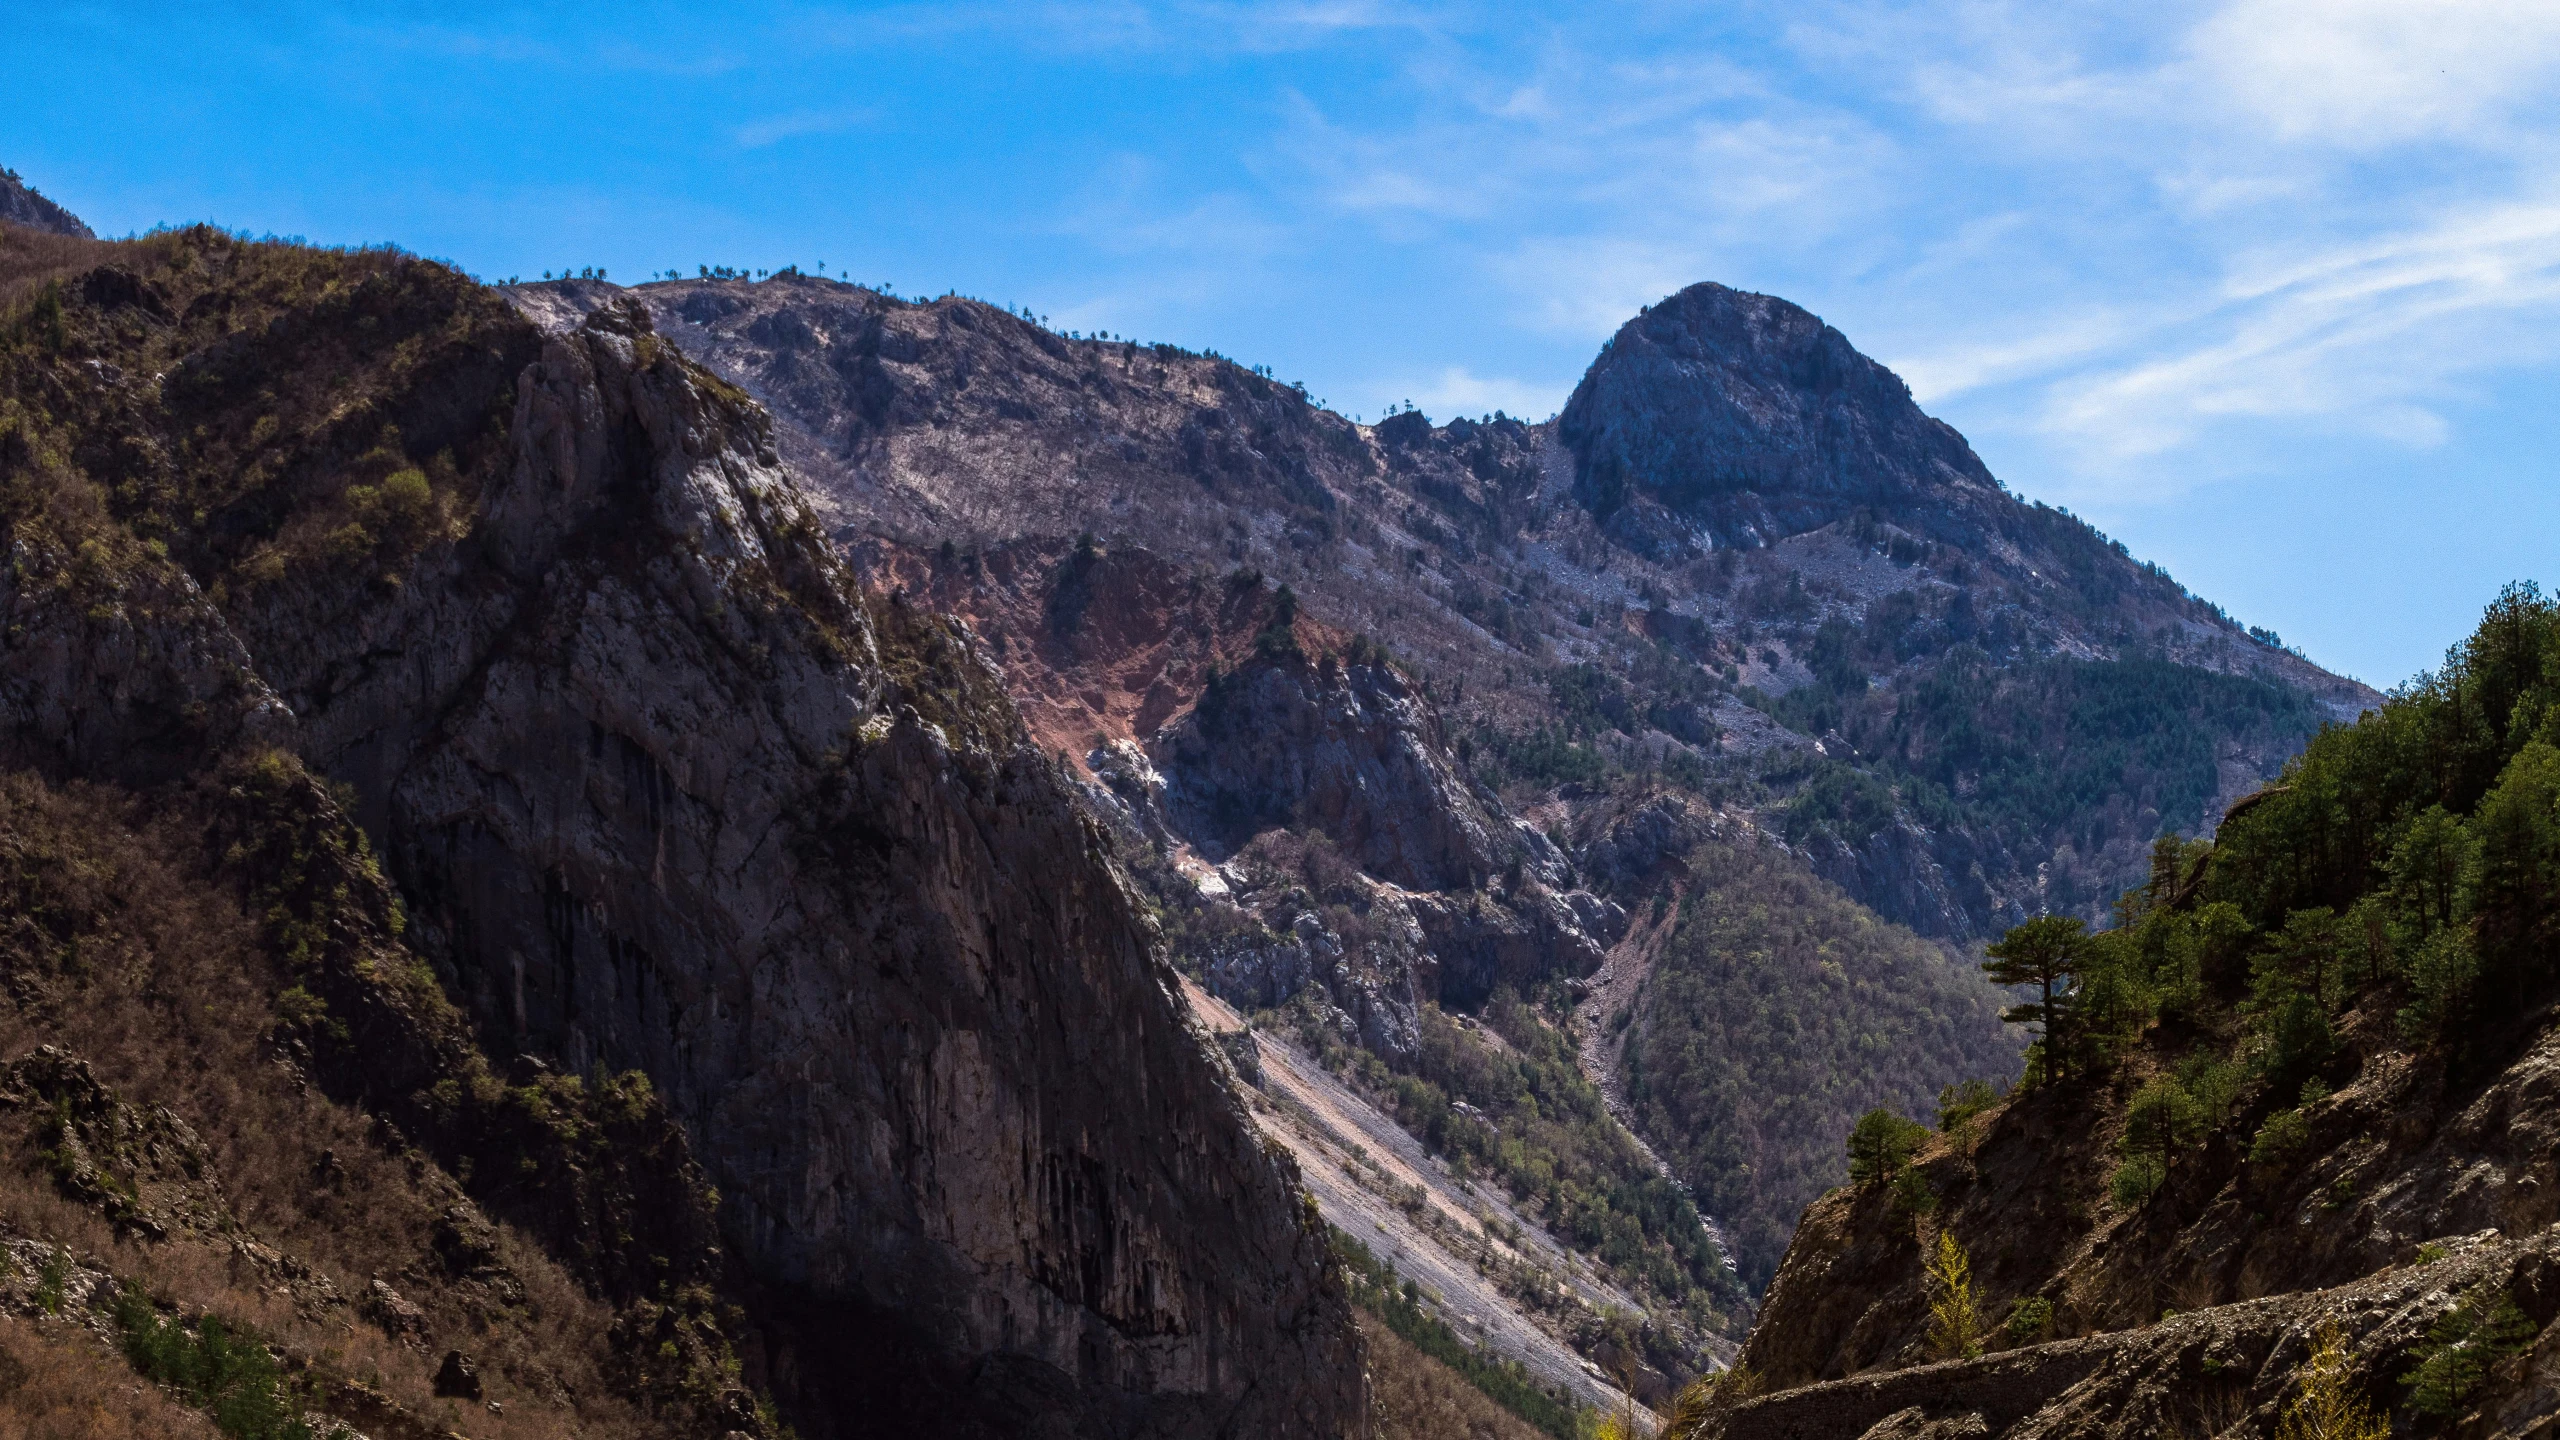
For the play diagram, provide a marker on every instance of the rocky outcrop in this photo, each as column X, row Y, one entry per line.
column 1456, row 899
column 21, row 205
column 1723, row 418
column 2405, row 1155
column 1935, row 881
column 2231, row 1370
column 1303, row 781
column 662, row 792
column 1347, row 750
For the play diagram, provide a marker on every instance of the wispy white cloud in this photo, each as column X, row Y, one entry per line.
column 2356, row 73
column 1457, row 390
column 2366, row 335
column 774, row 129
column 2120, row 234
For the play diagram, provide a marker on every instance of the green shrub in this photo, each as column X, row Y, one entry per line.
column 1960, row 1102
column 227, row 1374
column 2135, row 1180
column 1880, row 1144
column 1910, row 1194
column 2281, row 1140
column 2441, row 974
column 2030, row 1320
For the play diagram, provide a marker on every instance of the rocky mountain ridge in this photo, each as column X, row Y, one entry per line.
column 1508, row 558
column 661, row 790
column 1743, row 569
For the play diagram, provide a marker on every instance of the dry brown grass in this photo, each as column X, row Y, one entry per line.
column 1414, row 1397
column 29, row 258
column 61, row 1384
column 115, row 952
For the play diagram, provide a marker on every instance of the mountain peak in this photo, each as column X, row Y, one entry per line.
column 21, row 205
column 1719, row 417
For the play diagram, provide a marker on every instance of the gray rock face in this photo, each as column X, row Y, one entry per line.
column 664, row 795
column 1454, row 898
column 1726, row 418
column 21, row 205
column 1930, row 880
column 1350, row 751
column 1369, row 979
column 130, row 679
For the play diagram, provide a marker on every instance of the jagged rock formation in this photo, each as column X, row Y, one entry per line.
column 1277, row 762
column 661, row 791
column 21, row 205
column 1734, row 498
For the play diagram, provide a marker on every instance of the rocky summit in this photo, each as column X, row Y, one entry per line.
column 752, row 857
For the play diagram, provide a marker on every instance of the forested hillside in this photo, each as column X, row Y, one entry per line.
column 2311, row 1060
column 1778, row 1009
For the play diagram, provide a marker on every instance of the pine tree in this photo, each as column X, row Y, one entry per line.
column 1880, row 1144
column 2045, row 952
column 2484, row 1327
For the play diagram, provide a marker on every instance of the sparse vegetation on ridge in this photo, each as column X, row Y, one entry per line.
column 1522, row 1113
column 1376, row 1288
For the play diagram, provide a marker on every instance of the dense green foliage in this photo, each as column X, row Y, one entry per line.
column 2420, row 849
column 1376, row 1288
column 1780, row 1010
column 2035, row 755
column 1523, row 1113
column 228, row 1375
column 2409, row 861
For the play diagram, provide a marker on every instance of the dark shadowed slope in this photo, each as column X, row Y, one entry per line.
column 660, row 791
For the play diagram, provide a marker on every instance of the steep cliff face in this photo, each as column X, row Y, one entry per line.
column 663, row 792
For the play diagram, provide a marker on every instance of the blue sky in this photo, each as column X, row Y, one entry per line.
column 2269, row 289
